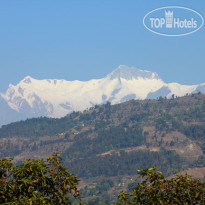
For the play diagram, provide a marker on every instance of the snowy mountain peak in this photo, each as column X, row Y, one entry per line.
column 130, row 73
column 27, row 80
column 56, row 98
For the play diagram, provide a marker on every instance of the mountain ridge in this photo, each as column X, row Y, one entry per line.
column 56, row 98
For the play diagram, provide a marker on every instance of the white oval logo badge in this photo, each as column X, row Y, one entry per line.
column 173, row 21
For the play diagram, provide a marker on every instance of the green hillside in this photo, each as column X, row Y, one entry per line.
column 107, row 144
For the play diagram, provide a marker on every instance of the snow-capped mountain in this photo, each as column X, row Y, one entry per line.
column 56, row 98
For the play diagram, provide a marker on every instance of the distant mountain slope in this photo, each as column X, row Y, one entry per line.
column 114, row 141
column 56, row 98
column 8, row 115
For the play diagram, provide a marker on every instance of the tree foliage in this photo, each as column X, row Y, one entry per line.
column 155, row 189
column 37, row 181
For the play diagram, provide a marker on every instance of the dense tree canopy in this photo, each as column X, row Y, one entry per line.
column 155, row 189
column 37, row 181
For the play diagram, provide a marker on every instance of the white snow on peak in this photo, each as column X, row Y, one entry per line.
column 59, row 97
column 130, row 73
column 27, row 80
column 180, row 90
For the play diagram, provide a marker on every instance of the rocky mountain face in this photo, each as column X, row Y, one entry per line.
column 56, row 98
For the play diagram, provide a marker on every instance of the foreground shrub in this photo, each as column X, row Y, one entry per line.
column 155, row 189
column 37, row 181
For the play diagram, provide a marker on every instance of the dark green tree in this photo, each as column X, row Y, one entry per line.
column 155, row 189
column 37, row 181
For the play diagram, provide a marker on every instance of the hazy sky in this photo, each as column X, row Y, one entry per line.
column 85, row 39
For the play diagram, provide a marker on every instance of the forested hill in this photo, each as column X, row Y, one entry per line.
column 116, row 140
column 184, row 109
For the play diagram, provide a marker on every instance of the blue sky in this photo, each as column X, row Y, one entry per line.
column 85, row 39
